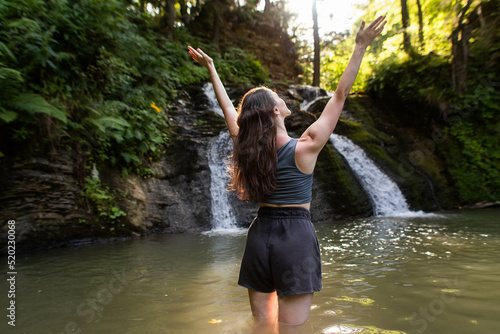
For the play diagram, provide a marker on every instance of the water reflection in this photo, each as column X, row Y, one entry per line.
column 417, row 268
column 380, row 275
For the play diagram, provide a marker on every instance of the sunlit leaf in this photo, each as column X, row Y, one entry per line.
column 215, row 321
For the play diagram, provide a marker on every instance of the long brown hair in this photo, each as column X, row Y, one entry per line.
column 253, row 171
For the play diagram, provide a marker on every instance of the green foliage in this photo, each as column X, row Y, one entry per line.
column 421, row 86
column 238, row 67
column 438, row 22
column 410, row 80
column 16, row 106
column 103, row 199
column 474, row 122
column 335, row 58
column 85, row 56
column 103, row 75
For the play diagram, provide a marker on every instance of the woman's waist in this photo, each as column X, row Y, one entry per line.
column 284, row 210
column 272, row 205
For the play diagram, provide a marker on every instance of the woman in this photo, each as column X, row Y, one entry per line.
column 281, row 266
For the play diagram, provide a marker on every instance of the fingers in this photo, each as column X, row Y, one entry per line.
column 194, row 54
column 362, row 27
column 198, row 55
column 379, row 29
column 381, row 18
column 376, row 22
column 192, row 51
column 377, row 25
column 203, row 54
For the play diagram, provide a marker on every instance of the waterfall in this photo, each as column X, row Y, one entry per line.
column 218, row 155
column 316, row 96
column 222, row 214
column 384, row 193
column 305, row 105
column 209, row 91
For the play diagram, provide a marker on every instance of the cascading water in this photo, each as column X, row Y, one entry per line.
column 316, row 96
column 384, row 193
column 386, row 197
column 222, row 214
column 209, row 91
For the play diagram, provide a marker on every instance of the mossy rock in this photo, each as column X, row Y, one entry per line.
column 337, row 192
column 393, row 147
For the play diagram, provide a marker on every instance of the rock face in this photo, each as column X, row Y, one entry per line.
column 177, row 198
column 44, row 197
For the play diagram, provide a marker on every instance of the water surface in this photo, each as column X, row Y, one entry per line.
column 380, row 275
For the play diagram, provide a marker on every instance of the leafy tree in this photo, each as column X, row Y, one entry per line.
column 95, row 77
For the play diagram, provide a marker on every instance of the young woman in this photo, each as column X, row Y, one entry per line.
column 281, row 266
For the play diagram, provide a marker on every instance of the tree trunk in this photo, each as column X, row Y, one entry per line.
column 405, row 20
column 185, row 16
column 460, row 50
column 420, row 26
column 216, row 10
column 170, row 15
column 316, row 63
column 267, row 8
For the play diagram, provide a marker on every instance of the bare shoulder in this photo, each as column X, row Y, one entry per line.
column 306, row 154
column 304, row 143
column 308, row 143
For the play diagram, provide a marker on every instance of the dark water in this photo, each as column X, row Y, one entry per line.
column 380, row 275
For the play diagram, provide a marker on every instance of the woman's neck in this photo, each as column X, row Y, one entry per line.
column 282, row 136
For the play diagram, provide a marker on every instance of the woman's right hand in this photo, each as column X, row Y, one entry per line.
column 366, row 35
column 200, row 56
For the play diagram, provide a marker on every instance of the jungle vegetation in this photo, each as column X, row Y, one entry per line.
column 97, row 77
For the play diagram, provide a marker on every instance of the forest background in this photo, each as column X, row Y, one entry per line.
column 98, row 77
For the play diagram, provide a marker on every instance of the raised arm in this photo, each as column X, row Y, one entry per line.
column 220, row 92
column 316, row 136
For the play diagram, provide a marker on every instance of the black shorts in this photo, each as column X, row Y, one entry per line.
column 282, row 253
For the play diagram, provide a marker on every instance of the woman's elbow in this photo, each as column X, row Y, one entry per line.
column 341, row 94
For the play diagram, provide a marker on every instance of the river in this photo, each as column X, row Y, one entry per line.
column 434, row 274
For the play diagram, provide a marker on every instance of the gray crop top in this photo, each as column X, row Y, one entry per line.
column 294, row 187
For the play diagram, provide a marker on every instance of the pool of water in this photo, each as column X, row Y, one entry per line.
column 438, row 274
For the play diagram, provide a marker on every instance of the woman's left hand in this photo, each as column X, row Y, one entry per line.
column 200, row 57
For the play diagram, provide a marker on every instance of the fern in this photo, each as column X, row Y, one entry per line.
column 7, row 115
column 10, row 83
column 4, row 50
column 105, row 124
column 34, row 103
column 111, row 107
column 25, row 25
column 113, row 123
